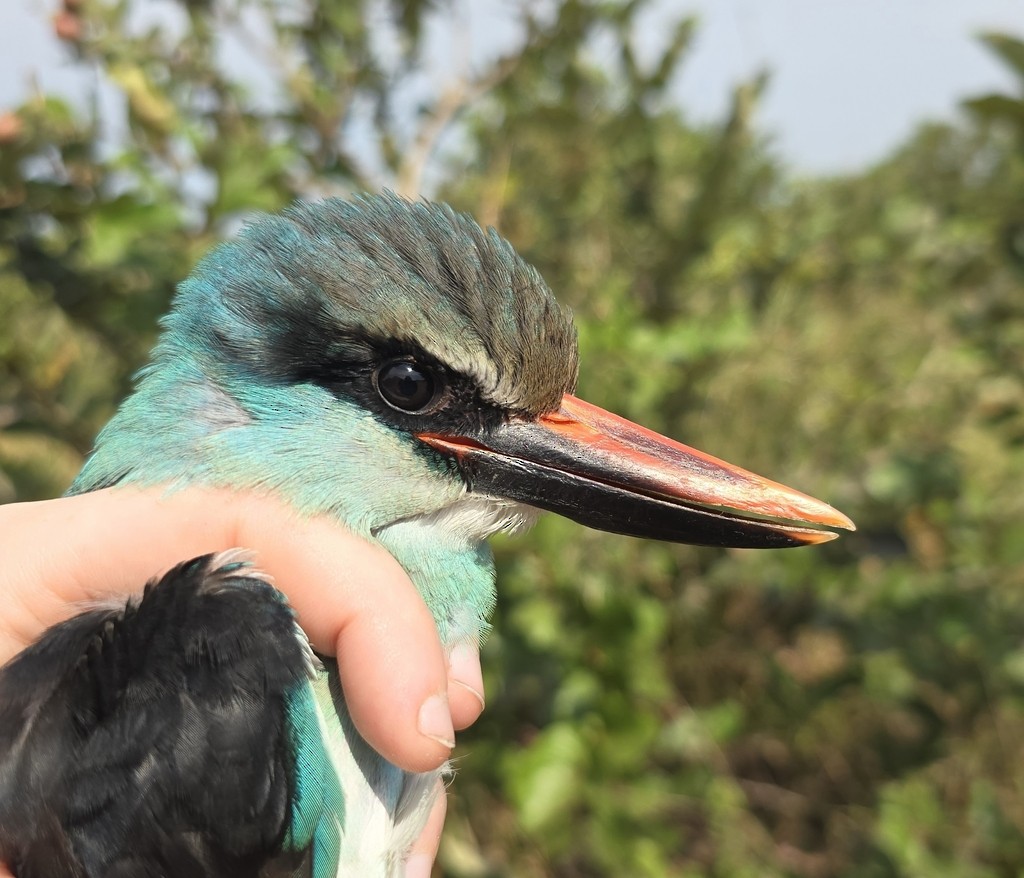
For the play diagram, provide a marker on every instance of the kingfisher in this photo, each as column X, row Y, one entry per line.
column 394, row 366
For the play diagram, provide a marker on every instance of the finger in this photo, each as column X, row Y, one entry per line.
column 465, row 684
column 424, row 849
column 355, row 601
column 351, row 597
column 109, row 543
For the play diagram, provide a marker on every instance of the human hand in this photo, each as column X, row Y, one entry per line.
column 352, row 598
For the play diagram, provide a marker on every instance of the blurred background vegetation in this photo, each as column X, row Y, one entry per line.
column 855, row 710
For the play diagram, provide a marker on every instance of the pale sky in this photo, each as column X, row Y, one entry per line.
column 850, row 78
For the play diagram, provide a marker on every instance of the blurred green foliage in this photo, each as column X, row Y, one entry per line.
column 854, row 710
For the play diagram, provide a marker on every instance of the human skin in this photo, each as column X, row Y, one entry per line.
column 353, row 600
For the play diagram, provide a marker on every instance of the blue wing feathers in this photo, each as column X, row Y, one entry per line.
column 155, row 738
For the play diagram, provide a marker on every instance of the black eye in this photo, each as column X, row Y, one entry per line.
column 407, row 386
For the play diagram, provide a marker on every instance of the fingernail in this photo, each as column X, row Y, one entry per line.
column 435, row 721
column 419, row 866
column 464, row 669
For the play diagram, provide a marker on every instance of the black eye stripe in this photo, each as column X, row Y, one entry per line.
column 353, row 371
column 408, row 386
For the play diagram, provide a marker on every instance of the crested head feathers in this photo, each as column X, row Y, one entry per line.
column 329, row 286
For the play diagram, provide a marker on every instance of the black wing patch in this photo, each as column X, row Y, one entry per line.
column 153, row 740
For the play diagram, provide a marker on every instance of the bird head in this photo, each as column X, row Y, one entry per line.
column 394, row 365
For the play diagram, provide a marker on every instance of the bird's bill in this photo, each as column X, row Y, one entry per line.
column 606, row 472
